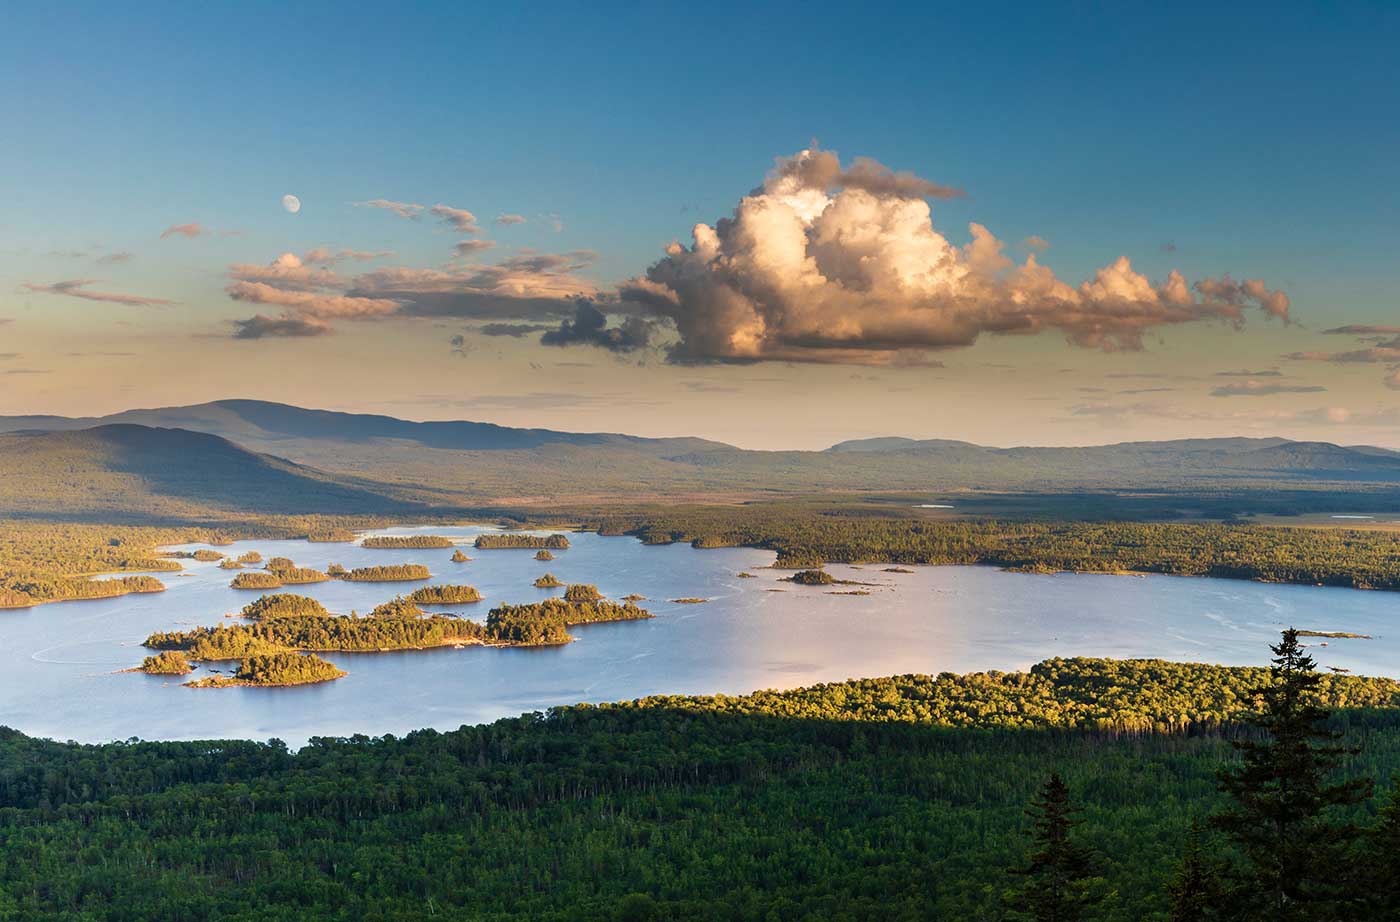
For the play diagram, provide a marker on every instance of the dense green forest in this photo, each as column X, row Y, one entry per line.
column 444, row 595
column 275, row 669
column 851, row 800
column 288, row 623
column 403, row 572
column 1361, row 559
column 394, row 542
column 256, row 579
column 527, row 542
column 168, row 662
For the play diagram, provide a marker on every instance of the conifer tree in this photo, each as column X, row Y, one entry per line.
column 1057, row 880
column 1295, row 852
column 1194, row 892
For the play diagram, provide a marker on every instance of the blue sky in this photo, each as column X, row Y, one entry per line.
column 1259, row 140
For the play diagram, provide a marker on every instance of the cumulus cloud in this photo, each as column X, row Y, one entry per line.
column 286, row 271
column 510, row 219
column 590, row 328
column 77, row 288
column 1253, row 388
column 824, row 264
column 188, row 231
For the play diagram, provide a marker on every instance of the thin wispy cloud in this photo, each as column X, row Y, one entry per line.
column 1252, row 388
column 77, row 288
column 188, row 231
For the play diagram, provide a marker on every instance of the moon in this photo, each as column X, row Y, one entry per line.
column 291, row 203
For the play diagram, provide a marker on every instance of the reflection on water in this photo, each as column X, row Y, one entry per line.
column 58, row 663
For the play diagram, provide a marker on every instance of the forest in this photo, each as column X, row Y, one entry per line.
column 444, row 595
column 523, row 542
column 395, row 542
column 403, row 572
column 895, row 799
column 274, row 669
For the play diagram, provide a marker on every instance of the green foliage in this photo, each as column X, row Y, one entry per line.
column 250, row 558
column 402, row 572
column 207, row 556
column 736, row 808
column 806, row 540
column 397, row 607
column 548, row 581
column 330, row 535
column 582, row 592
column 812, row 578
column 1057, row 883
column 278, row 564
column 228, row 563
column 395, row 542
column 297, row 575
column 283, row 605
column 275, row 669
column 517, row 541
column 444, row 595
column 1287, row 817
column 547, row 622
column 256, row 579
column 170, row 662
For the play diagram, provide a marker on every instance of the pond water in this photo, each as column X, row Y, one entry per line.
column 60, row 663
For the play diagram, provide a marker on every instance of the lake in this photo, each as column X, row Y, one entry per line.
column 60, row 678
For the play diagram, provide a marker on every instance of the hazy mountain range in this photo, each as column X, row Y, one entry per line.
column 253, row 456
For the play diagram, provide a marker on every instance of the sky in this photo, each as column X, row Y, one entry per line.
column 779, row 227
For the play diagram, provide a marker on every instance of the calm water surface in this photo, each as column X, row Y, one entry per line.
column 59, row 663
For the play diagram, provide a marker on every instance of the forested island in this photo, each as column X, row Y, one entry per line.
column 393, row 573
column 548, row 581
column 806, row 539
column 170, row 662
column 409, row 542
column 459, row 557
column 893, row 798
column 330, row 536
column 444, row 595
column 23, row 592
column 286, row 623
column 522, row 542
column 274, row 670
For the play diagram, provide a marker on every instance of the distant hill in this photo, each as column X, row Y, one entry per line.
column 121, row 471
column 261, row 424
column 251, row 455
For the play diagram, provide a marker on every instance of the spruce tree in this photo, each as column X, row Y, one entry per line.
column 1381, row 856
column 1057, row 881
column 1195, row 891
column 1294, row 851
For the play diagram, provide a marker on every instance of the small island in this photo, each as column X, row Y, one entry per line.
column 256, row 579
column 405, row 542
column 444, row 595
column 250, row 558
column 228, row 563
column 274, row 670
column 543, row 554
column 404, row 572
column 690, row 601
column 634, row 597
column 582, row 592
column 169, row 662
column 330, row 536
column 746, row 575
column 548, row 581
column 459, row 557
column 283, row 605
column 821, row 578
column 522, row 542
column 206, row 556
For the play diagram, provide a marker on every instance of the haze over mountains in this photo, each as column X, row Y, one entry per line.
column 256, row 456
